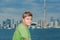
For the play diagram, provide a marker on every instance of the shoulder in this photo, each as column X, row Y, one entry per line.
column 20, row 26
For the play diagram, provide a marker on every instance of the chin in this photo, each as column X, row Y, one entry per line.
column 28, row 24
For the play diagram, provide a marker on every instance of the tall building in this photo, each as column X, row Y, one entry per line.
column 12, row 23
column 50, row 25
column 44, row 20
column 0, row 26
column 7, row 24
column 4, row 25
column 52, row 20
column 56, row 24
column 58, row 20
column 8, row 21
column 40, row 22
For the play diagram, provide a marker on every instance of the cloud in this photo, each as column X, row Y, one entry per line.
column 49, row 15
column 16, row 13
column 15, row 8
column 29, row 0
column 53, row 6
column 10, row 13
column 52, row 0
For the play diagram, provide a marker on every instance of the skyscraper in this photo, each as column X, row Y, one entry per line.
column 44, row 20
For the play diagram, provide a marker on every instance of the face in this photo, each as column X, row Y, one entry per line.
column 27, row 20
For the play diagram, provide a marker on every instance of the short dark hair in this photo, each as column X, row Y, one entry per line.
column 28, row 13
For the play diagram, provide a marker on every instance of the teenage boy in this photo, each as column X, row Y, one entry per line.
column 22, row 31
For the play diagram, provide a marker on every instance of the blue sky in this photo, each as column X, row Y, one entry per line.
column 15, row 8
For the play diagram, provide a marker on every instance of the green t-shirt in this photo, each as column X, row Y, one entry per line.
column 21, row 32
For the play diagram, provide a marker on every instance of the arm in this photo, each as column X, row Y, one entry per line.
column 24, row 33
column 26, row 39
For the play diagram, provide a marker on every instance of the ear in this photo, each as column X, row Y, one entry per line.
column 23, row 19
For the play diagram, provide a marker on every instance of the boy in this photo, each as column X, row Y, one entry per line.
column 22, row 32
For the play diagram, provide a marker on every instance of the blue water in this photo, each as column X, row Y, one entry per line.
column 36, row 34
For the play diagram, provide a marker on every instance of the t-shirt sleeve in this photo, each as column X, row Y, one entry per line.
column 16, row 36
column 23, row 32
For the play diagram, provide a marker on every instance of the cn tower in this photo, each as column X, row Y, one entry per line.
column 44, row 19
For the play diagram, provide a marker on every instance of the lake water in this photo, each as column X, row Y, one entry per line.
column 36, row 34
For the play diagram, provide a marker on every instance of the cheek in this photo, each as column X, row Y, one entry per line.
column 29, row 21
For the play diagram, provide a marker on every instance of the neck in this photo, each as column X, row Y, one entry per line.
column 25, row 24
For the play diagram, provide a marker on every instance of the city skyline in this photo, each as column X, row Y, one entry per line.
column 12, row 24
column 15, row 8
